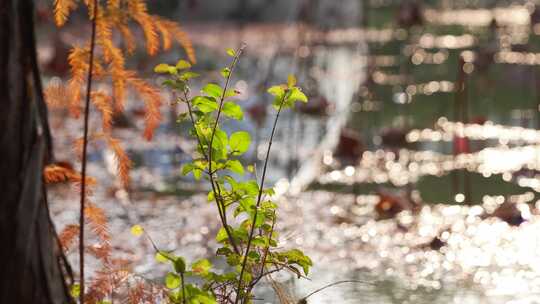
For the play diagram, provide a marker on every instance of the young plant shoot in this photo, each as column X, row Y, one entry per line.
column 247, row 238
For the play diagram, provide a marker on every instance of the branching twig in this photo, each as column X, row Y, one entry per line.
column 216, row 191
column 215, row 185
column 265, row 255
column 85, row 144
column 259, row 197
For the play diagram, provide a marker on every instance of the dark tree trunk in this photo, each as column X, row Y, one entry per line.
column 30, row 257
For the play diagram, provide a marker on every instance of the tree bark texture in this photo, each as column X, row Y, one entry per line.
column 30, row 256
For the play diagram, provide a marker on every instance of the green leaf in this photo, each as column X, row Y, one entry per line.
column 168, row 83
column 276, row 104
column 231, row 93
column 226, row 72
column 231, row 52
column 182, row 64
column 241, row 233
column 205, row 104
column 211, row 196
column 239, row 142
column 233, row 259
column 254, row 255
column 247, row 277
column 203, row 299
column 179, row 265
column 268, row 205
column 251, row 168
column 277, row 91
column 162, row 68
column 259, row 220
column 269, row 191
column 291, row 81
column 295, row 256
column 174, row 84
column 224, row 251
column 188, row 75
column 164, row 256
column 172, row 280
column 247, row 204
column 305, row 267
column 221, row 235
column 187, row 168
column 296, row 95
column 231, row 181
column 75, row 290
column 220, row 138
column 137, row 230
column 173, row 70
column 181, row 117
column 250, row 187
column 174, row 296
column 161, row 257
column 213, row 90
column 233, row 110
column 197, row 173
column 201, row 267
column 219, row 146
column 235, row 166
column 202, row 128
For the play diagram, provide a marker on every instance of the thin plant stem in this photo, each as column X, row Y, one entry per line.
column 221, row 100
column 215, row 185
column 216, row 191
column 265, row 255
column 158, row 251
column 330, row 285
column 84, row 152
column 259, row 197
column 183, row 288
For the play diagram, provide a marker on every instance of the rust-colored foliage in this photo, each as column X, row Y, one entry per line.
column 114, row 41
column 103, row 103
column 62, row 9
column 137, row 293
column 122, row 159
column 97, row 221
column 115, row 278
column 68, row 236
column 151, row 99
column 56, row 94
column 106, row 281
column 55, row 173
column 110, row 64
